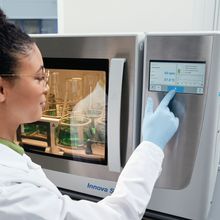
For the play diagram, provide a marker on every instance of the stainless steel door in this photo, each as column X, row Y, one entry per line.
column 186, row 183
column 189, row 108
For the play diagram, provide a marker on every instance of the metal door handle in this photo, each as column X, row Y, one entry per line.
column 114, row 113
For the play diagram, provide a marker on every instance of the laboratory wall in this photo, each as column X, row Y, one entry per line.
column 141, row 15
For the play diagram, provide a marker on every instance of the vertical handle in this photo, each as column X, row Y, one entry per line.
column 114, row 113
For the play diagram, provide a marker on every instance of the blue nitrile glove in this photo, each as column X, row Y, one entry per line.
column 159, row 126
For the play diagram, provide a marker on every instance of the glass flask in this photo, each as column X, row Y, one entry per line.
column 74, row 131
column 54, row 101
column 73, row 94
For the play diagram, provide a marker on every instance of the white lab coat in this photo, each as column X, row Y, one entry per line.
column 27, row 194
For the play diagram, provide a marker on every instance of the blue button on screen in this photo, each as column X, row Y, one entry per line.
column 179, row 89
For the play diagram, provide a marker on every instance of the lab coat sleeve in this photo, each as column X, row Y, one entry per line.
column 132, row 192
column 27, row 201
column 136, row 182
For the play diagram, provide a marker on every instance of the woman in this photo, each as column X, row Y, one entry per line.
column 25, row 191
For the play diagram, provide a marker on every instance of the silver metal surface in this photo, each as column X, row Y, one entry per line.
column 180, row 154
column 114, row 113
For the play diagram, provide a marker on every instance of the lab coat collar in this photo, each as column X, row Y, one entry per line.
column 12, row 159
column 12, row 145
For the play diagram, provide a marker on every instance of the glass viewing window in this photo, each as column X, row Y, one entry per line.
column 73, row 125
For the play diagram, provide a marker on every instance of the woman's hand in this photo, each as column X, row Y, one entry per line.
column 160, row 125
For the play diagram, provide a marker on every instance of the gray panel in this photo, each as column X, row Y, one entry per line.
column 180, row 154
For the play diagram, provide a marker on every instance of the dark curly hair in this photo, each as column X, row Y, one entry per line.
column 13, row 43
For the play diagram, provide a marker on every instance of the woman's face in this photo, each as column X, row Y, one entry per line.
column 26, row 96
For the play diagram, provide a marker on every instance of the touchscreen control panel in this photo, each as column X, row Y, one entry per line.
column 184, row 77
